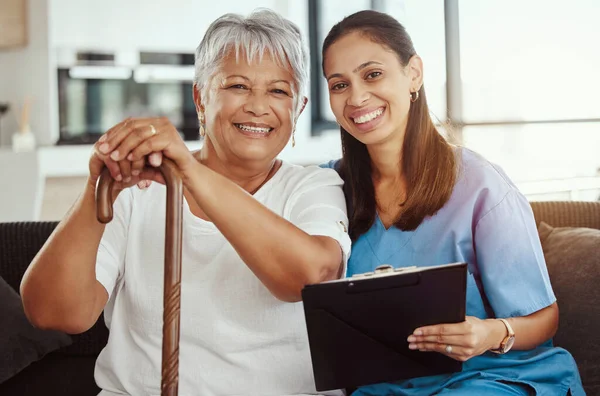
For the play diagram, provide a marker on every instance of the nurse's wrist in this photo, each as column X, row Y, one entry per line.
column 496, row 334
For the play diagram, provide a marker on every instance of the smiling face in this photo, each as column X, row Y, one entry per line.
column 369, row 88
column 249, row 109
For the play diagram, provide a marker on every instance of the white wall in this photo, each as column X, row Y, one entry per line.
column 28, row 72
column 163, row 25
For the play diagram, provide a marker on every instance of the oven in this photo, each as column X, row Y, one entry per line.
column 98, row 90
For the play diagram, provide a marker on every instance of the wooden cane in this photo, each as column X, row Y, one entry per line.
column 172, row 284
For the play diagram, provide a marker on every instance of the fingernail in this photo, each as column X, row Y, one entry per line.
column 135, row 172
column 119, row 178
column 115, row 156
column 411, row 338
column 130, row 157
column 127, row 179
column 412, row 346
column 104, row 148
column 418, row 332
column 102, row 138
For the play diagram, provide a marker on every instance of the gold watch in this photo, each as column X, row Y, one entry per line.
column 508, row 341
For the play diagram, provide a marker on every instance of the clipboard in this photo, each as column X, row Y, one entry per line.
column 357, row 327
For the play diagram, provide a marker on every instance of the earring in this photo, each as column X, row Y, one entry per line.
column 294, row 137
column 415, row 97
column 201, row 121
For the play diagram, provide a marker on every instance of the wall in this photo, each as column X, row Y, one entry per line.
column 173, row 25
column 29, row 72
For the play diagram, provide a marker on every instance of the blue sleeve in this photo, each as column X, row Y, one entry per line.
column 330, row 164
column 510, row 260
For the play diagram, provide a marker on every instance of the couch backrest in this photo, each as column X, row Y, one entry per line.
column 568, row 213
column 19, row 243
column 573, row 264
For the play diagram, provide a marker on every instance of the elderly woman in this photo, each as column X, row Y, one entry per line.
column 256, row 230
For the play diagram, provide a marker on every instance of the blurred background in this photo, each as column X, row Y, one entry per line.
column 516, row 80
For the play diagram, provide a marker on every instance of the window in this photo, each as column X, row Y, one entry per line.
column 534, row 60
column 517, row 80
column 529, row 85
column 529, row 152
column 424, row 21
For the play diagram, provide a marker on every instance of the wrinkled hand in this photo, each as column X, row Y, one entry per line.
column 467, row 339
column 142, row 141
column 121, row 171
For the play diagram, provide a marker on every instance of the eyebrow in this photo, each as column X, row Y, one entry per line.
column 280, row 81
column 247, row 79
column 238, row 75
column 359, row 68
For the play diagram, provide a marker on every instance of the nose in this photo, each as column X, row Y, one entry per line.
column 358, row 95
column 257, row 103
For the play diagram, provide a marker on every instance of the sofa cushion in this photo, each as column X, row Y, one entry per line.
column 573, row 259
column 20, row 342
column 55, row 374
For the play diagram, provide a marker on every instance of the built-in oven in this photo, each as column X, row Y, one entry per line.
column 98, row 90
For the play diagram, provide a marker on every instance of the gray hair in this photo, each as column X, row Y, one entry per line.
column 262, row 30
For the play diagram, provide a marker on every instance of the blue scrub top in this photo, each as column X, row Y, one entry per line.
column 489, row 224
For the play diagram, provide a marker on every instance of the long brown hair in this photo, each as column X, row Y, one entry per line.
column 427, row 159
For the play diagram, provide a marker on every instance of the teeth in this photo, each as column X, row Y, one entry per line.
column 368, row 117
column 253, row 128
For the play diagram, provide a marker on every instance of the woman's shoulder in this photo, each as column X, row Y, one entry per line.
column 333, row 164
column 483, row 185
column 475, row 172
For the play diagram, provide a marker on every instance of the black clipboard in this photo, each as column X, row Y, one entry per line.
column 357, row 327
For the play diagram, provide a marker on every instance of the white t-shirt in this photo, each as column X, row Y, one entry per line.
column 236, row 338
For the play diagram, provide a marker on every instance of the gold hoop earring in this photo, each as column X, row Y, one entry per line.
column 201, row 121
column 415, row 97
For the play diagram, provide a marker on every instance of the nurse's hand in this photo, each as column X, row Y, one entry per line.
column 460, row 341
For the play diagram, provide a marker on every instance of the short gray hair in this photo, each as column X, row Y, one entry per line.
column 262, row 30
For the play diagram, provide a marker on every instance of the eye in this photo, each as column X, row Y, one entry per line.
column 373, row 75
column 239, row 86
column 280, row 92
column 338, row 86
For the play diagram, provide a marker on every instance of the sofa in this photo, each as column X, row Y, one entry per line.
column 69, row 368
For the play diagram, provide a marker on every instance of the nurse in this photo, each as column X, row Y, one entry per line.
column 414, row 199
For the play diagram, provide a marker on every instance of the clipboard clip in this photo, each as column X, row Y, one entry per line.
column 382, row 269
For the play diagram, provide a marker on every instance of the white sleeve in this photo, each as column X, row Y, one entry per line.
column 318, row 207
column 110, row 261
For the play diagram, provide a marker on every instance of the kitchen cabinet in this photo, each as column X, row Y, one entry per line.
column 13, row 23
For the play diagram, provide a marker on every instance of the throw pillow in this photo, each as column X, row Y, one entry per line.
column 20, row 343
column 573, row 259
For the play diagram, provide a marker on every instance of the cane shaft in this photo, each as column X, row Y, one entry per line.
column 172, row 275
